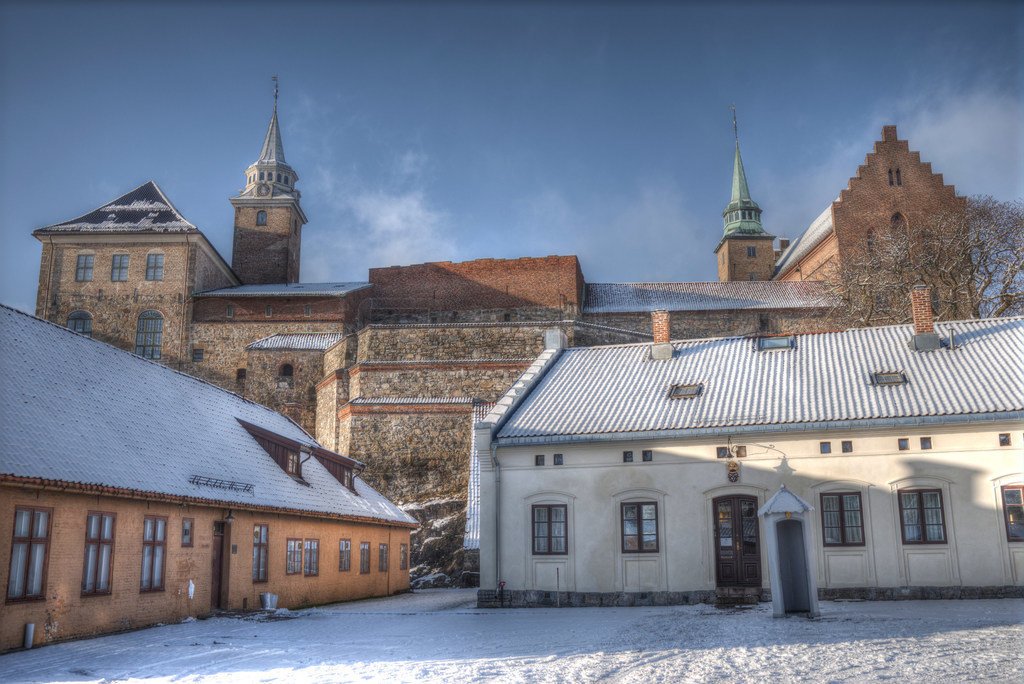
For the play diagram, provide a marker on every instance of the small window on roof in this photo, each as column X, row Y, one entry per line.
column 889, row 378
column 776, row 342
column 685, row 391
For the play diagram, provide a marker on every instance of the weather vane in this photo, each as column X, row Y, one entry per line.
column 735, row 129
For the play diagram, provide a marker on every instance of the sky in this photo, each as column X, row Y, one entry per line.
column 453, row 131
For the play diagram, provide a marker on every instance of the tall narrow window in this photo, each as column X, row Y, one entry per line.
column 899, row 179
column 261, row 218
column 841, row 520
column 293, row 558
column 187, row 531
column 154, row 532
column 921, row 516
column 81, row 322
column 751, row 252
column 155, row 267
column 870, row 241
column 99, row 549
column 119, row 268
column 890, row 177
column 640, row 527
column 29, row 548
column 382, row 558
column 83, row 269
column 260, row 545
column 549, row 530
column 311, row 562
column 403, row 556
column 364, row 557
column 1013, row 512
column 345, row 557
column 149, row 335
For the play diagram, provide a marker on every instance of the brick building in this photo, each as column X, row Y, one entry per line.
column 387, row 370
column 135, row 494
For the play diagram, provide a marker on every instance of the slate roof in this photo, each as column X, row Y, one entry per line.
column 284, row 290
column 145, row 209
column 825, row 380
column 819, row 229
column 297, row 342
column 79, row 411
column 647, row 297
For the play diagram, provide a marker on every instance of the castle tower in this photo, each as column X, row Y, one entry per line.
column 746, row 251
column 268, row 218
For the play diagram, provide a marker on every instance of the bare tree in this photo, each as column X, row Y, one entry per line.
column 972, row 258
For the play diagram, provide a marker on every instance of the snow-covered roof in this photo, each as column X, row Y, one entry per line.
column 75, row 410
column 297, row 341
column 784, row 501
column 145, row 209
column 646, row 297
column 819, row 229
column 823, row 379
column 285, row 289
column 472, row 538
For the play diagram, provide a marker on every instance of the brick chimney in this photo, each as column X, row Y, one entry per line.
column 925, row 338
column 660, row 324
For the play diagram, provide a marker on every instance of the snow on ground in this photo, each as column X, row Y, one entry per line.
column 438, row 635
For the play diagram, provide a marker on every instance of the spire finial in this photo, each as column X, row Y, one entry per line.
column 735, row 129
column 274, row 79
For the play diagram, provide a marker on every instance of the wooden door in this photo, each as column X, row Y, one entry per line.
column 737, row 542
column 217, row 559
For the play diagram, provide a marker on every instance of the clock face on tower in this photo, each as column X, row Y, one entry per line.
column 262, row 189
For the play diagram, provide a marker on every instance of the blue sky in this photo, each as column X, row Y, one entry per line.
column 454, row 131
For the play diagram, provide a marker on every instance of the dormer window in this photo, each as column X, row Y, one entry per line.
column 292, row 465
column 777, row 342
column 889, row 378
column 685, row 391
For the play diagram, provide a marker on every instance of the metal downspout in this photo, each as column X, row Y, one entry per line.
column 497, row 513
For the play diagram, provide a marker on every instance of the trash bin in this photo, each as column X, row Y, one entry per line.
column 268, row 601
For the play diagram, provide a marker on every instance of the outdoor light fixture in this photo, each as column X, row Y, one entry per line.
column 230, row 517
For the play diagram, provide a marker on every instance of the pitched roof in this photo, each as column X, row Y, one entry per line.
column 824, row 379
column 646, row 297
column 145, row 209
column 819, row 229
column 285, row 290
column 79, row 411
column 297, row 341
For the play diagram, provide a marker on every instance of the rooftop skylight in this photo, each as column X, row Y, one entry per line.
column 685, row 391
column 889, row 378
column 777, row 342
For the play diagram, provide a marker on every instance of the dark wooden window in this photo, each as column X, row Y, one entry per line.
column 722, row 452
column 640, row 527
column 99, row 553
column 557, row 459
column 921, row 516
column 550, row 529
column 154, row 545
column 825, row 447
column 341, row 472
column 29, row 553
column 293, row 557
column 197, row 356
column 260, row 550
column 538, row 460
column 903, row 443
column 1013, row 512
column 382, row 558
column 842, row 520
column 403, row 556
column 149, row 335
column 364, row 557
column 119, row 268
column 155, row 267
column 81, row 322
column 240, row 375
column 83, row 269
column 647, row 455
column 751, row 252
column 926, row 443
column 627, row 456
column 847, row 446
column 292, row 465
column 311, row 562
column 1004, row 439
column 187, row 525
column 261, row 218
column 345, row 556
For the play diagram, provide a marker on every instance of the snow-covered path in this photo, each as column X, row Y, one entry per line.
column 437, row 635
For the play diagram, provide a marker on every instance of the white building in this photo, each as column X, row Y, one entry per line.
column 633, row 474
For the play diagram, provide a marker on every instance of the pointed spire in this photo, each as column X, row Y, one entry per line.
column 270, row 175
column 273, row 148
column 742, row 216
column 740, row 191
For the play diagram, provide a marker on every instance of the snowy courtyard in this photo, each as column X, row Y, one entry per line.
column 438, row 635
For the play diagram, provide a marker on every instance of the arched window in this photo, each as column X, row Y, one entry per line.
column 278, row 178
column 898, row 223
column 81, row 322
column 149, row 335
column 261, row 175
column 261, row 218
column 286, row 371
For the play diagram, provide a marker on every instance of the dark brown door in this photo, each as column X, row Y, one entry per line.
column 216, row 555
column 737, row 542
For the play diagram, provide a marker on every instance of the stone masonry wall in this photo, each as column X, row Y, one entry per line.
column 480, row 380
column 270, row 253
column 687, row 325
column 460, row 341
column 295, row 395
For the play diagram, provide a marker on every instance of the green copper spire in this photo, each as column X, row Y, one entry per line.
column 742, row 216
